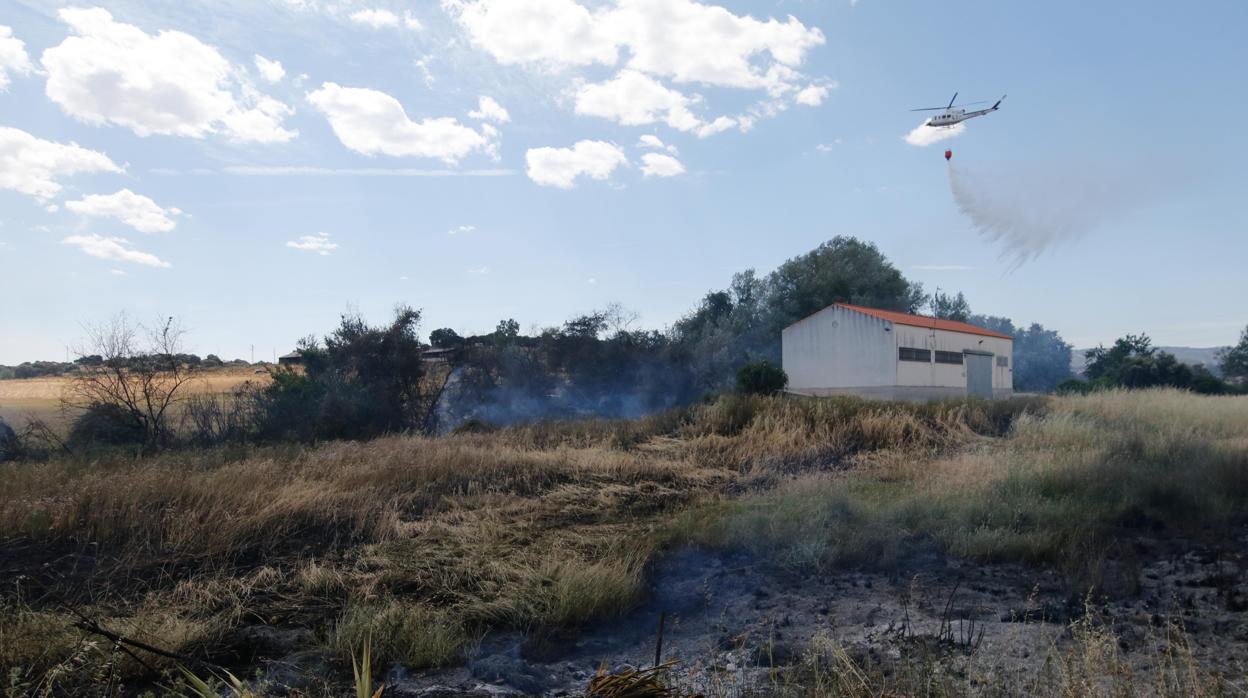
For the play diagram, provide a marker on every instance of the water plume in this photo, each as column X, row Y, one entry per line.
column 1027, row 211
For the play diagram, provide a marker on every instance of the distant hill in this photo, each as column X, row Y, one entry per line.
column 1188, row 355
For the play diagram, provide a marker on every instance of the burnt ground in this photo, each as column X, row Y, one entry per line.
column 733, row 623
column 736, row 623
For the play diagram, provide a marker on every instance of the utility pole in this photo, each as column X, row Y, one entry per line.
column 253, row 353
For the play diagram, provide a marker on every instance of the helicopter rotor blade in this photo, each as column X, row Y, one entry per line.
column 951, row 101
column 930, row 109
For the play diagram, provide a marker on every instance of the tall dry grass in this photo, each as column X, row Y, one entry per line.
column 1056, row 490
column 423, row 544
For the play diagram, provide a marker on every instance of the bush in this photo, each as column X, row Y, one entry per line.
column 761, row 378
column 9, row 446
column 103, row 424
column 1074, row 386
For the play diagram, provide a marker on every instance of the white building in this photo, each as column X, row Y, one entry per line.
column 848, row 349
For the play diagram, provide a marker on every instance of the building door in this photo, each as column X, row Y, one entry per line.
column 979, row 375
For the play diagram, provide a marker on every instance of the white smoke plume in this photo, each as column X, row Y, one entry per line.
column 1028, row 211
column 924, row 135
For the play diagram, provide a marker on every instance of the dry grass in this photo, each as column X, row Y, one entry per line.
column 1055, row 491
column 40, row 398
column 1086, row 664
column 423, row 544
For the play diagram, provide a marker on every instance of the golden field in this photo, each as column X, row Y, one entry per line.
column 40, row 398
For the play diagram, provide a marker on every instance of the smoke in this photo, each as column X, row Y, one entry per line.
column 924, row 135
column 1028, row 211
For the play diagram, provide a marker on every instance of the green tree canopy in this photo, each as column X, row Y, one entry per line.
column 949, row 307
column 1234, row 361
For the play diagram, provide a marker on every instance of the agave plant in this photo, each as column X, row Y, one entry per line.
column 363, row 672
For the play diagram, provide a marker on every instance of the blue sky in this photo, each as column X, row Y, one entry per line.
column 427, row 152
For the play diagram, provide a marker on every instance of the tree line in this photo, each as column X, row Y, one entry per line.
column 362, row 380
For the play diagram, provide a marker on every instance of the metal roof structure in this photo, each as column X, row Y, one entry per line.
column 923, row 321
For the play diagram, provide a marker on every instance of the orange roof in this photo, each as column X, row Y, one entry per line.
column 924, row 321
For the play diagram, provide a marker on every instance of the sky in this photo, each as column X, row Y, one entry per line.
column 258, row 168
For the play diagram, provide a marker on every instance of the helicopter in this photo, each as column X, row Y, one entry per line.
column 950, row 115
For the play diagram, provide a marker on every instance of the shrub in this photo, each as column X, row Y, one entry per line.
column 1074, row 386
column 761, row 378
column 105, row 424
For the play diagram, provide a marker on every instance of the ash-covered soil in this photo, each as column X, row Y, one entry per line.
column 736, row 624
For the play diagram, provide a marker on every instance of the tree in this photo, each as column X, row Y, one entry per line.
column 1041, row 356
column 141, row 377
column 507, row 331
column 761, row 378
column 1041, row 359
column 1133, row 362
column 618, row 318
column 445, row 338
column 947, row 307
column 1234, row 360
column 363, row 381
column 742, row 323
column 841, row 270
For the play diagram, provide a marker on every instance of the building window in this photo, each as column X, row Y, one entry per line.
column 1003, row 361
column 949, row 357
column 912, row 354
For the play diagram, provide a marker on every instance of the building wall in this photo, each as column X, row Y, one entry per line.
column 839, row 348
column 888, row 392
column 914, row 373
column 841, row 351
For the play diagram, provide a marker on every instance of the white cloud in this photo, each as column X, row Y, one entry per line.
column 479, row 270
column 385, row 19
column 51, row 208
column 271, row 71
column 310, row 171
column 32, row 165
column 552, row 32
column 812, row 95
column 426, row 75
column 489, row 110
column 170, row 83
column 13, row 58
column 660, row 165
column 828, row 147
column 680, row 41
column 461, row 229
column 377, row 19
column 135, row 210
column 116, row 272
column 684, row 40
column 632, row 98
column 695, row 43
column 924, row 135
column 559, row 167
column 318, row 243
column 116, row 249
column 652, row 141
column 373, row 123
